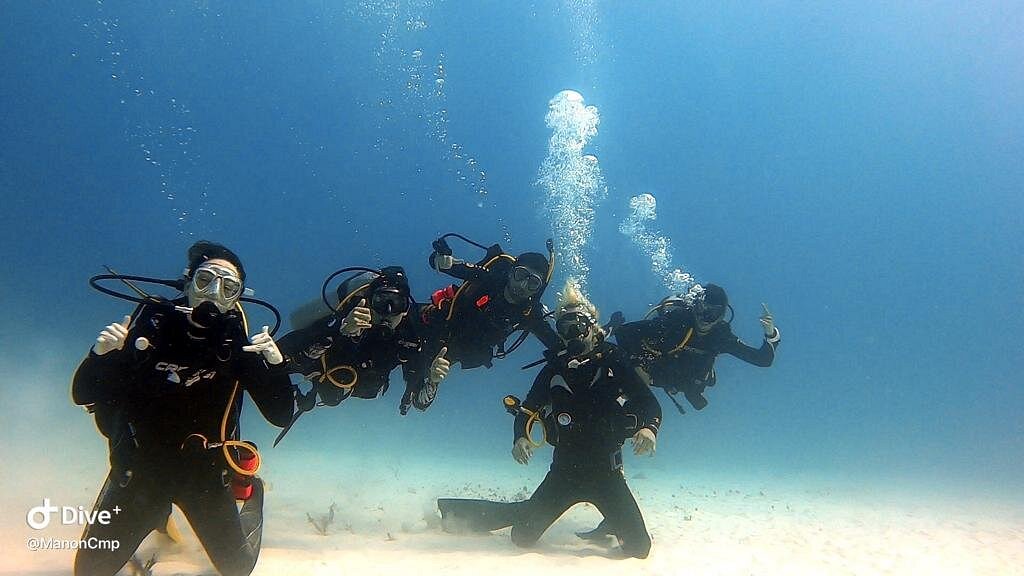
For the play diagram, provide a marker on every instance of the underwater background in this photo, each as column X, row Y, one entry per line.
column 854, row 165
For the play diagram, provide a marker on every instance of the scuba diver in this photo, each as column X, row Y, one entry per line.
column 578, row 398
column 352, row 351
column 677, row 347
column 499, row 295
column 165, row 385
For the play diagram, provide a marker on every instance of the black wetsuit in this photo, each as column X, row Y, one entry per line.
column 325, row 356
column 679, row 358
column 587, row 425
column 157, row 406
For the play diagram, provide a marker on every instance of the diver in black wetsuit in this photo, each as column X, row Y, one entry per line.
column 578, row 394
column 166, row 387
column 676, row 349
column 500, row 295
column 353, row 351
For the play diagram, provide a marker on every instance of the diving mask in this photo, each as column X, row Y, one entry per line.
column 214, row 283
column 526, row 280
column 389, row 302
column 574, row 325
column 710, row 313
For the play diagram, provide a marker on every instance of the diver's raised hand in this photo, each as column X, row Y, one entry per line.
column 439, row 367
column 112, row 337
column 263, row 343
column 768, row 322
column 444, row 261
column 644, row 442
column 522, row 450
column 357, row 320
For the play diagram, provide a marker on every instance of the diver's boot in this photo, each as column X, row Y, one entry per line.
column 602, row 531
column 251, row 515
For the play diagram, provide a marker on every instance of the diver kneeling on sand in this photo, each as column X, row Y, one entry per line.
column 170, row 402
column 578, row 396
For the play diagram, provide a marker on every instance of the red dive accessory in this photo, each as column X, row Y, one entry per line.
column 241, row 485
column 446, row 294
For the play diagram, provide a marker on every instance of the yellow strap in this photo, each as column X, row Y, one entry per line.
column 682, row 344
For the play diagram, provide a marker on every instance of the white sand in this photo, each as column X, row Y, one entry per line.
column 386, row 524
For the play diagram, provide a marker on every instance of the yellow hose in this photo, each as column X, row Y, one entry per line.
column 329, row 374
column 350, row 295
column 512, row 403
column 225, row 443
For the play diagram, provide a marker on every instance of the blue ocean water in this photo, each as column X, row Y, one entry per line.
column 856, row 166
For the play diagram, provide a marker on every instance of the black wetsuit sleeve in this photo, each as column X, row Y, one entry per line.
column 106, row 378
column 270, row 388
column 463, row 270
column 537, row 398
column 763, row 356
column 102, row 378
column 644, row 405
column 298, row 341
column 543, row 331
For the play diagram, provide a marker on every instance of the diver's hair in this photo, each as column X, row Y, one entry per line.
column 572, row 298
column 204, row 250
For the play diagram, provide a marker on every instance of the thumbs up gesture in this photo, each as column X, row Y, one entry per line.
column 439, row 367
column 112, row 337
column 357, row 320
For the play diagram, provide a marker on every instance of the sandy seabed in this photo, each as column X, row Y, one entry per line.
column 386, row 523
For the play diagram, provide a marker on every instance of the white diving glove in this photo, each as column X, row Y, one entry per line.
column 644, row 442
column 263, row 343
column 112, row 337
column 357, row 320
column 522, row 450
column 439, row 367
column 444, row 261
column 771, row 333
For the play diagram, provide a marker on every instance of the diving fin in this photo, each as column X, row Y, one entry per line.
column 295, row 418
column 304, row 403
column 251, row 515
column 469, row 515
